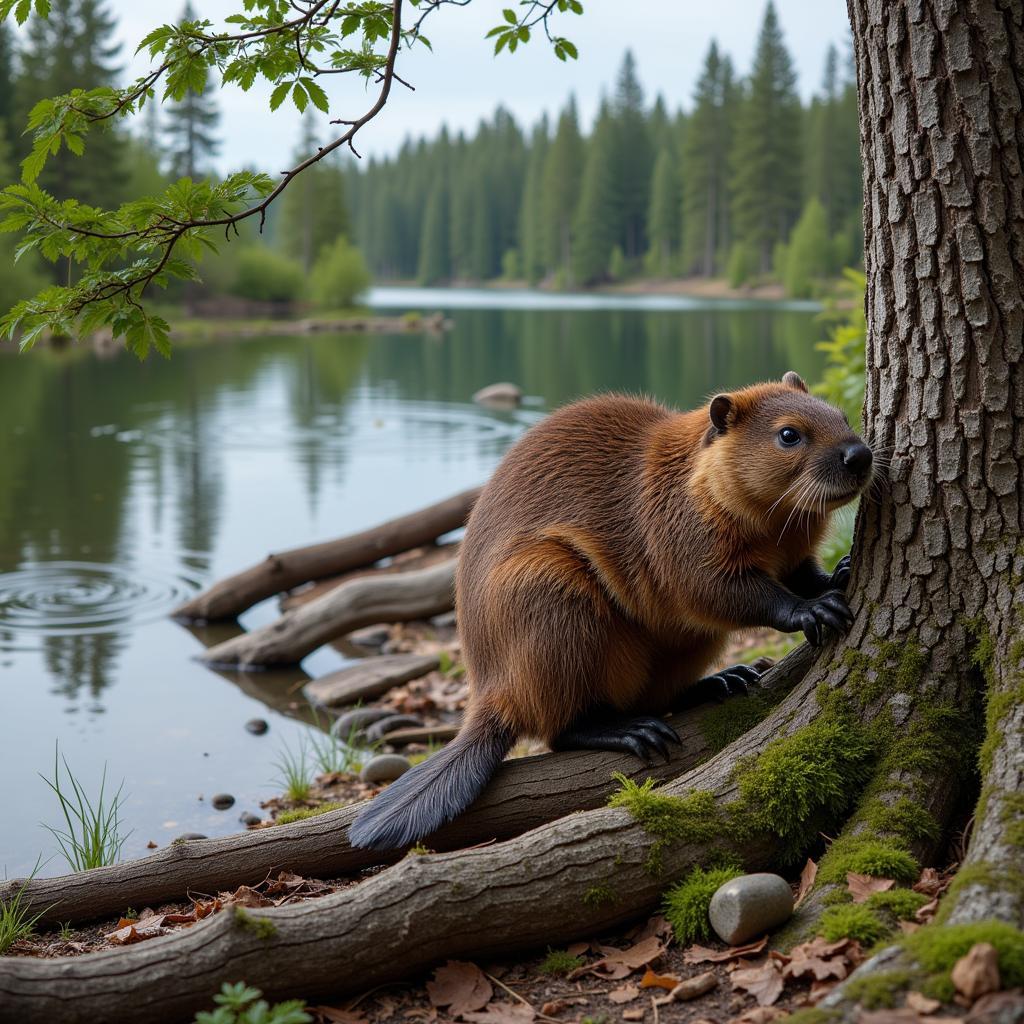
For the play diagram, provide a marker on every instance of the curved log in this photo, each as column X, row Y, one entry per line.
column 360, row 602
column 232, row 596
column 526, row 793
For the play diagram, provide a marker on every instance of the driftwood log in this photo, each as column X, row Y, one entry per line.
column 525, row 793
column 368, row 678
column 360, row 602
column 287, row 569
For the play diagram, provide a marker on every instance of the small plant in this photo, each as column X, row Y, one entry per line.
column 240, row 1004
column 560, row 961
column 93, row 838
column 333, row 755
column 296, row 775
column 686, row 904
column 449, row 667
column 66, row 932
column 16, row 922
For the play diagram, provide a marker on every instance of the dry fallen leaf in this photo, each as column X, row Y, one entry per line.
column 920, row 1003
column 929, row 883
column 637, row 1014
column 924, row 914
column 807, row 876
column 578, row 948
column 760, row 1015
column 976, row 973
column 665, row 981
column 626, row 994
column 657, row 926
column 125, row 936
column 692, row 988
column 861, row 887
column 554, row 1007
column 461, row 986
column 705, row 955
column 246, row 896
column 618, row 963
column 764, row 982
column 502, row 1013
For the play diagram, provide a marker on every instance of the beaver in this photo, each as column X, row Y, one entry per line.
column 606, row 562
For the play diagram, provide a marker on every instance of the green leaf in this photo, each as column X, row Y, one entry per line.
column 277, row 97
column 299, row 97
column 510, row 15
column 317, row 95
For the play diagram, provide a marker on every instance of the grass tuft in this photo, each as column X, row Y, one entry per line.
column 296, row 775
column 853, row 921
column 560, row 962
column 686, row 904
column 16, row 922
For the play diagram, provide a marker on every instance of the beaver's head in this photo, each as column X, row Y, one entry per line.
column 773, row 449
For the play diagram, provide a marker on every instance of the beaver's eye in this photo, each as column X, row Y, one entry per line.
column 788, row 437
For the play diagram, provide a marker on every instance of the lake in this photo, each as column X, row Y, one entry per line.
column 127, row 486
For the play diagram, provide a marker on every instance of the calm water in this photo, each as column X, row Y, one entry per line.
column 124, row 487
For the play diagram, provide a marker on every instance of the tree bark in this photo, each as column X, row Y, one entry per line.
column 368, row 678
column 360, row 602
column 525, row 793
column 232, row 596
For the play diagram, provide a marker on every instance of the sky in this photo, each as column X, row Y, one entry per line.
column 460, row 81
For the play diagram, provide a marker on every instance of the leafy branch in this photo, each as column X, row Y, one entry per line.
column 120, row 253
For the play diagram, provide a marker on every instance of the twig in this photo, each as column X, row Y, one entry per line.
column 525, row 1002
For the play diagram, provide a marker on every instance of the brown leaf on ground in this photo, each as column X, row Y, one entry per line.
column 924, row 914
column 246, row 896
column 578, row 948
column 819, row 969
column 760, row 1015
column 125, row 936
column 335, row 1015
column 997, row 1006
column 204, row 908
column 657, row 926
column 820, row 989
column 665, row 981
column 930, row 883
column 705, row 955
column 921, row 1003
column 691, row 988
column 764, row 982
column 619, row 963
column 626, row 994
column 502, row 1013
column 461, row 986
column 976, row 973
column 861, row 887
column 637, row 1014
column 807, row 877
column 554, row 1007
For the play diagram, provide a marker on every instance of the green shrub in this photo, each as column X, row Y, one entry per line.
column 843, row 384
column 743, row 264
column 617, row 266
column 339, row 276
column 686, row 904
column 808, row 256
column 239, row 1004
column 263, row 275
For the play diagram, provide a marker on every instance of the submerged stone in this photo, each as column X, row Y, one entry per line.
column 222, row 801
column 750, row 905
column 257, row 726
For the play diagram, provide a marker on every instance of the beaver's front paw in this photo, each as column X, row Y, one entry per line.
column 840, row 577
column 820, row 614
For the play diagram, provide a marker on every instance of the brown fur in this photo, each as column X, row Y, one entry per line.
column 591, row 567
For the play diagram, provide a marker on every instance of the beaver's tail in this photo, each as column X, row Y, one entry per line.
column 436, row 790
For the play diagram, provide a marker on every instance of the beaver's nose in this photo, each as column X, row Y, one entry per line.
column 857, row 457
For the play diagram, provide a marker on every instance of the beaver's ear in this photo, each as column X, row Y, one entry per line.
column 794, row 380
column 723, row 412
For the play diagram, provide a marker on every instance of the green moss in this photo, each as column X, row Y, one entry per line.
column 876, row 991
column 301, row 813
column 897, row 667
column 853, row 921
column 813, row 1015
column 1011, row 814
column 261, row 927
column 695, row 818
column 560, row 962
column 599, row 895
column 686, row 904
column 938, row 947
column 866, row 855
column 419, row 850
column 723, row 723
column 984, row 874
column 901, row 903
column 904, row 818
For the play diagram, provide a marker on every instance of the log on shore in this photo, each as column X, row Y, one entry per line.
column 287, row 569
column 369, row 678
column 525, row 793
column 360, row 602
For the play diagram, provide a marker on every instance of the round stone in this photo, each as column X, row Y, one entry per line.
column 383, row 726
column 356, row 720
column 499, row 396
column 257, row 726
column 749, row 906
column 247, row 818
column 222, row 801
column 384, row 768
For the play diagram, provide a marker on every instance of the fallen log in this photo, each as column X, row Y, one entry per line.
column 369, row 678
column 525, row 793
column 287, row 569
column 425, row 734
column 360, row 602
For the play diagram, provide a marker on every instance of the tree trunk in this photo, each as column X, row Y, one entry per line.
column 360, row 602
column 277, row 572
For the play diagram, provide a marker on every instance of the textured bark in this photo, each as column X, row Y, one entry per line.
column 360, row 602
column 277, row 572
column 368, row 678
column 526, row 793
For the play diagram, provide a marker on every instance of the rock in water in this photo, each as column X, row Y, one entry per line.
column 354, row 722
column 499, row 396
column 257, row 726
column 379, row 730
column 222, row 801
column 384, row 768
column 749, row 906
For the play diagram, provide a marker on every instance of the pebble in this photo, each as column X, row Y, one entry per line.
column 222, row 801
column 248, row 818
column 370, row 636
column 749, row 906
column 383, row 726
column 189, row 836
column 384, row 768
column 257, row 726
column 358, row 719
column 500, row 396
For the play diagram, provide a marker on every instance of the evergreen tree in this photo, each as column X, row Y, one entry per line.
column 531, row 215
column 663, row 221
column 706, row 149
column 808, row 256
column 191, row 125
column 434, row 257
column 563, row 172
column 313, row 212
column 595, row 229
column 72, row 49
column 632, row 162
column 8, row 114
column 766, row 171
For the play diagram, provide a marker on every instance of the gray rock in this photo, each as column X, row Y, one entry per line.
column 248, row 818
column 376, row 732
column 384, row 768
column 499, row 396
column 222, row 801
column 370, row 636
column 358, row 719
column 750, row 905
column 257, row 726
column 187, row 837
